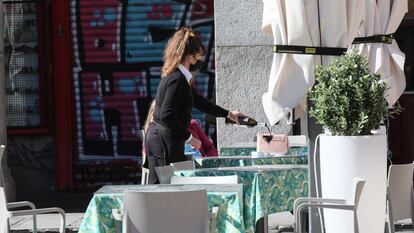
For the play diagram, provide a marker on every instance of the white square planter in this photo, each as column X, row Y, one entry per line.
column 344, row 157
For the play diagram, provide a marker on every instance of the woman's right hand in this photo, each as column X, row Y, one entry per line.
column 234, row 116
column 195, row 143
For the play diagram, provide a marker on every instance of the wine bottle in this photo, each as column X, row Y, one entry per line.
column 245, row 121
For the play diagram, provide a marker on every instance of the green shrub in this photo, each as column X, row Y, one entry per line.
column 347, row 100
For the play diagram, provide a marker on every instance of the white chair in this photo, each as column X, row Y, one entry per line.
column 400, row 204
column 204, row 179
column 184, row 165
column 175, row 212
column 164, row 174
column 5, row 214
column 345, row 204
column 207, row 180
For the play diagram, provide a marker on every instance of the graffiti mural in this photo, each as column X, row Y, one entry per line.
column 117, row 49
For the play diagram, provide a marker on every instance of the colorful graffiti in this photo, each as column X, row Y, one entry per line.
column 118, row 47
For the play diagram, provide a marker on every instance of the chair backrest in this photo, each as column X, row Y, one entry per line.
column 176, row 212
column 356, row 191
column 400, row 190
column 184, row 165
column 3, row 212
column 164, row 174
column 204, row 179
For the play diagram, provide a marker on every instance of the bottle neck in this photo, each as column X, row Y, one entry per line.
column 261, row 124
column 246, row 122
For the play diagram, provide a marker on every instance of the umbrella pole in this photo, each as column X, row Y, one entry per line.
column 320, row 31
column 320, row 212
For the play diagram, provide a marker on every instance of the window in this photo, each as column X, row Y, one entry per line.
column 24, row 72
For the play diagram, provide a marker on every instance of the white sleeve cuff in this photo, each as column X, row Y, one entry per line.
column 189, row 138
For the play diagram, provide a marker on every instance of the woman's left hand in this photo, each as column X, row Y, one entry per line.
column 234, row 116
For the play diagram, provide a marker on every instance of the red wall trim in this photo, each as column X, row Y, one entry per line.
column 63, row 90
column 27, row 131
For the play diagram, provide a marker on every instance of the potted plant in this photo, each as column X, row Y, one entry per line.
column 349, row 103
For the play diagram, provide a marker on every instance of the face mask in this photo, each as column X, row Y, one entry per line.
column 197, row 66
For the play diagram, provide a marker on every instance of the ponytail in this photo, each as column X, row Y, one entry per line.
column 181, row 44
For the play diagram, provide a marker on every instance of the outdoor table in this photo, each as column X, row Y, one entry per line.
column 298, row 146
column 240, row 150
column 241, row 161
column 227, row 197
column 267, row 188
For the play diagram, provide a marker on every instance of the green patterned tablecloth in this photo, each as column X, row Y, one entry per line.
column 246, row 151
column 267, row 189
column 241, row 161
column 98, row 216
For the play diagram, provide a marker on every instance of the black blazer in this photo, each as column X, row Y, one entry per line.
column 174, row 101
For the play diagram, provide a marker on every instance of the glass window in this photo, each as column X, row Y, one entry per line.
column 22, row 64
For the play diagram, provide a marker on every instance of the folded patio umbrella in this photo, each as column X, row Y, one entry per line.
column 309, row 23
column 382, row 18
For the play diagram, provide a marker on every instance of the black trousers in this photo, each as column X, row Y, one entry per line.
column 163, row 148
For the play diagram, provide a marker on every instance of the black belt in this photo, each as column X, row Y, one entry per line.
column 386, row 39
column 308, row 50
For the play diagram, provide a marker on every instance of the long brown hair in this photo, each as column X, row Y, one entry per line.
column 181, row 44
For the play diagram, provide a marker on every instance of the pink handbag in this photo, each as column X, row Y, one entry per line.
column 278, row 144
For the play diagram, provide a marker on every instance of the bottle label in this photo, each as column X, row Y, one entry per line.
column 243, row 126
column 244, row 119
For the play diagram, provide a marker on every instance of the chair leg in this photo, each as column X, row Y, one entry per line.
column 298, row 219
column 356, row 224
column 34, row 224
column 412, row 222
column 8, row 226
column 391, row 227
column 295, row 221
column 386, row 230
column 412, row 208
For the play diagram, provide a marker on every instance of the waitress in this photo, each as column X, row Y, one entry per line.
column 174, row 101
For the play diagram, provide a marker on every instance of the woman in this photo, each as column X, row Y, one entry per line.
column 207, row 148
column 175, row 98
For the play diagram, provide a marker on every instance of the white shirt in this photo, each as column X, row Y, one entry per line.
column 186, row 72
